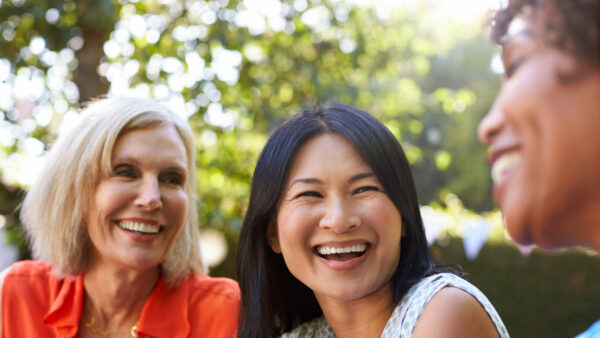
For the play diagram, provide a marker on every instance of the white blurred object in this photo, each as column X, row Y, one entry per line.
column 475, row 234
column 525, row 250
column 8, row 253
column 213, row 246
column 434, row 222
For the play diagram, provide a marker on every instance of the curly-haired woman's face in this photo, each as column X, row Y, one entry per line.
column 138, row 211
column 543, row 133
column 337, row 229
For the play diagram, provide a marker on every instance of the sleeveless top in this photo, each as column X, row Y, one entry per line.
column 404, row 317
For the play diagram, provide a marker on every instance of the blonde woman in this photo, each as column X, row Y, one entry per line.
column 112, row 224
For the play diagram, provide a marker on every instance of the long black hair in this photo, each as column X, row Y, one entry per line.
column 274, row 301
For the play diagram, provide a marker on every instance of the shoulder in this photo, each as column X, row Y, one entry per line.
column 29, row 268
column 455, row 313
column 437, row 299
column 25, row 284
column 213, row 287
column 217, row 293
column 40, row 282
column 29, row 274
column 221, row 296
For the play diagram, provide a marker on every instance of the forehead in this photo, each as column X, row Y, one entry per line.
column 329, row 151
column 161, row 139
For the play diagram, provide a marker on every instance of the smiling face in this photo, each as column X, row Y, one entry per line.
column 543, row 134
column 338, row 231
column 138, row 211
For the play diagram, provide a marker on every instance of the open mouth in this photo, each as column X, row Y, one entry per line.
column 343, row 253
column 504, row 165
column 141, row 228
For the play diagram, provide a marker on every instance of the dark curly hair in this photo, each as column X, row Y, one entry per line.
column 572, row 26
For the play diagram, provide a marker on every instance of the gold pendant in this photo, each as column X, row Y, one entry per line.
column 134, row 330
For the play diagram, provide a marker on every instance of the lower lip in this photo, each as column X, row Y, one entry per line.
column 345, row 265
column 139, row 237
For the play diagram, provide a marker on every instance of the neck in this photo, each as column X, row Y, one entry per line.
column 364, row 317
column 114, row 297
column 589, row 221
column 580, row 226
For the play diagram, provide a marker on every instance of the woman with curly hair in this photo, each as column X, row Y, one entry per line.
column 543, row 131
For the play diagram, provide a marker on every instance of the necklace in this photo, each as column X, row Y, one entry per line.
column 91, row 324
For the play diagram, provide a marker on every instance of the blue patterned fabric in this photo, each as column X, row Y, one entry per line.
column 592, row 332
column 404, row 318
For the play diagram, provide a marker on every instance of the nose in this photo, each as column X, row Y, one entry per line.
column 148, row 197
column 491, row 124
column 339, row 217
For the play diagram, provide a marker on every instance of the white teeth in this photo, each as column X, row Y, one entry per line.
column 328, row 250
column 139, row 227
column 503, row 164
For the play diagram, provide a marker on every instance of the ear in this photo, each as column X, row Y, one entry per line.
column 272, row 237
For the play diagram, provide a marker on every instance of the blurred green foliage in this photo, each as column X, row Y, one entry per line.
column 237, row 80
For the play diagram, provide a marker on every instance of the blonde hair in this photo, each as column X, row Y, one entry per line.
column 54, row 209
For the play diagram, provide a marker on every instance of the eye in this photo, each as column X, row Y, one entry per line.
column 366, row 188
column 125, row 171
column 512, row 67
column 173, row 179
column 309, row 193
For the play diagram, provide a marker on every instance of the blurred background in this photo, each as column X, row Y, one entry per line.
column 236, row 69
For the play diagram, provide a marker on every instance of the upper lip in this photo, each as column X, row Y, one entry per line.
column 497, row 150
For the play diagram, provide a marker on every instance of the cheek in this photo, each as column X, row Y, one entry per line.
column 106, row 200
column 293, row 228
column 178, row 207
column 389, row 225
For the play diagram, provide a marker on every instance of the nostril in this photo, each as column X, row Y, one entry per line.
column 490, row 126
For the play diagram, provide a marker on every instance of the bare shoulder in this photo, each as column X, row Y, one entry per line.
column 453, row 312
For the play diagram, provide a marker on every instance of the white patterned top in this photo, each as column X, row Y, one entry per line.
column 404, row 318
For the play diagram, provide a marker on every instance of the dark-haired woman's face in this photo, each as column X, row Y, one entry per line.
column 337, row 229
column 543, row 135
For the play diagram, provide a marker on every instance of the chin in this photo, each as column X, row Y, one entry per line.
column 143, row 264
column 542, row 233
column 516, row 224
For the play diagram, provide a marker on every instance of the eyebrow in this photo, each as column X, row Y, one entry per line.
column 124, row 160
column 132, row 160
column 352, row 179
column 360, row 177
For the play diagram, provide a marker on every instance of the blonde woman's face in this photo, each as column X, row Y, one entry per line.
column 138, row 211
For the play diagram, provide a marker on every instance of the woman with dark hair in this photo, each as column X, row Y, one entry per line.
column 543, row 131
column 333, row 242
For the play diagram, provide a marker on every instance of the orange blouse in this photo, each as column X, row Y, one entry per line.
column 36, row 303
